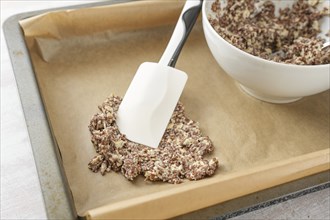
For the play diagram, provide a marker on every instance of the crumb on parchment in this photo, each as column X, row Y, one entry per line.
column 179, row 156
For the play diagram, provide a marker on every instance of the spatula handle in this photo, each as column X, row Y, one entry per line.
column 183, row 28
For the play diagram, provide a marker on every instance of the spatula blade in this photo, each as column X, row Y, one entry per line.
column 149, row 103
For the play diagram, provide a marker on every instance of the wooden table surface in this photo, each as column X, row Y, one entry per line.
column 21, row 196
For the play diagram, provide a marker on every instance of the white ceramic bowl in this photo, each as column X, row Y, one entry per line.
column 266, row 80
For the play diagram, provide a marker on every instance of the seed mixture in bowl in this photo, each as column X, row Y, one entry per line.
column 290, row 37
column 179, row 156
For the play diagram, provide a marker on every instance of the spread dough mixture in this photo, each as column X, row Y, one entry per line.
column 179, row 156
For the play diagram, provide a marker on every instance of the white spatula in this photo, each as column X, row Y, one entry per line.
column 156, row 88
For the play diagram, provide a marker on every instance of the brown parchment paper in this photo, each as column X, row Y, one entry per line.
column 82, row 56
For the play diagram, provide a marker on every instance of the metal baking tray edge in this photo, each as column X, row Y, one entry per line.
column 56, row 192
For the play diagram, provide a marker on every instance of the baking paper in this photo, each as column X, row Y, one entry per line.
column 82, row 56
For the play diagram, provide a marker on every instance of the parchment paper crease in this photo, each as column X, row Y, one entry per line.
column 82, row 56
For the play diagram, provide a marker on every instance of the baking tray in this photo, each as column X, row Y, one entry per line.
column 57, row 194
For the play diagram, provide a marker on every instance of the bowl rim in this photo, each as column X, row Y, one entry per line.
column 270, row 62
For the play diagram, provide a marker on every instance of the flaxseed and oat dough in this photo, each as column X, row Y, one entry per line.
column 291, row 37
column 179, row 156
